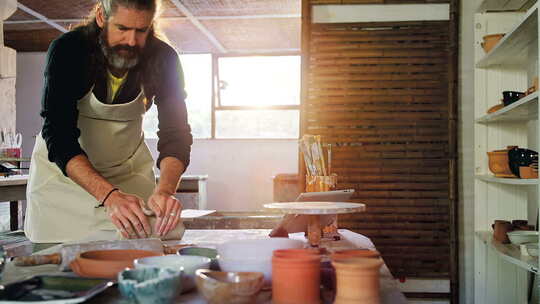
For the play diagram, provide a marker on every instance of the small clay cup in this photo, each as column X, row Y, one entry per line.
column 356, row 253
column 500, row 228
column 296, row 278
column 357, row 280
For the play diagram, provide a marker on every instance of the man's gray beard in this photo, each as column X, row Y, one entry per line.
column 115, row 60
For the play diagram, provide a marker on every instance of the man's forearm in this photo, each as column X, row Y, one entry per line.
column 81, row 171
column 170, row 172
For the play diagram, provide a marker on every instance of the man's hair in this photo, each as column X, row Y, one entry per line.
column 92, row 31
column 110, row 6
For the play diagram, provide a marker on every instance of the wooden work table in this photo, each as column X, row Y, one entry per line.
column 390, row 293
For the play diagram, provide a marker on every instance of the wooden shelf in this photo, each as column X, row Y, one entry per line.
column 502, row 6
column 524, row 109
column 508, row 181
column 509, row 252
column 512, row 49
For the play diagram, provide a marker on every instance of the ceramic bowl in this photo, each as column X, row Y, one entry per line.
column 150, row 285
column 532, row 249
column 219, row 287
column 189, row 264
column 509, row 97
column 259, row 249
column 523, row 236
column 107, row 263
column 519, row 157
column 250, row 265
column 210, row 253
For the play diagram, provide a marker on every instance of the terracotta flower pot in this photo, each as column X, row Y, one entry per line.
column 357, row 280
column 500, row 230
column 296, row 278
column 297, row 252
column 356, row 253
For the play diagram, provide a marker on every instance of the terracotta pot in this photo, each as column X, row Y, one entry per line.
column 500, row 228
column 296, row 278
column 490, row 41
column 357, row 280
column 297, row 252
column 107, row 263
column 499, row 163
column 356, row 253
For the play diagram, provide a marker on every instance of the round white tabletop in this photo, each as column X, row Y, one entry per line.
column 317, row 207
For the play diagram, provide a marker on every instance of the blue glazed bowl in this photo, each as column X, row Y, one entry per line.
column 150, row 285
column 210, row 253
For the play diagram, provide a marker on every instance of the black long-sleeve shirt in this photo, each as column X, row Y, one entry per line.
column 71, row 73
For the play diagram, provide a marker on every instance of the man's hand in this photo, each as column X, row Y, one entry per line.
column 126, row 214
column 167, row 209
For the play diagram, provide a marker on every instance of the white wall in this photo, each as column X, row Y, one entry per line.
column 29, row 85
column 239, row 171
column 466, row 153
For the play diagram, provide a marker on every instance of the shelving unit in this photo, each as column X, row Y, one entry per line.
column 522, row 110
column 509, row 252
column 508, row 181
column 502, row 5
column 512, row 48
column 502, row 274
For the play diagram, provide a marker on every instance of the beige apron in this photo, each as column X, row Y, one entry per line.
column 59, row 210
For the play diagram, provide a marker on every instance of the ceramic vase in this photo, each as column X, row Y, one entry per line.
column 357, row 280
column 296, row 278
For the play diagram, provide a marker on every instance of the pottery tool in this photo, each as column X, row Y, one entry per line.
column 68, row 252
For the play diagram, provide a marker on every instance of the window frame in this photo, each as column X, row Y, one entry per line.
column 216, row 94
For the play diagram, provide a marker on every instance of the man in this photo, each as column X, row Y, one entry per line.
column 91, row 169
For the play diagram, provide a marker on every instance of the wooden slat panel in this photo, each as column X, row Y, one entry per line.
column 379, row 93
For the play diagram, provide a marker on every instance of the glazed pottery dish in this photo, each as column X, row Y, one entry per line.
column 260, row 249
column 189, row 264
column 519, row 157
column 219, row 287
column 107, row 263
column 523, row 236
column 509, row 97
column 210, row 253
column 150, row 285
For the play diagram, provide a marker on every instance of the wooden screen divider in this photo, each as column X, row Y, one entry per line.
column 383, row 94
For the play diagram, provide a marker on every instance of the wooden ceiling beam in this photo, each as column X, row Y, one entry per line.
column 199, row 25
column 41, row 17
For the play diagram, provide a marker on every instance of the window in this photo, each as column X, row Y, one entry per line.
column 198, row 80
column 255, row 97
